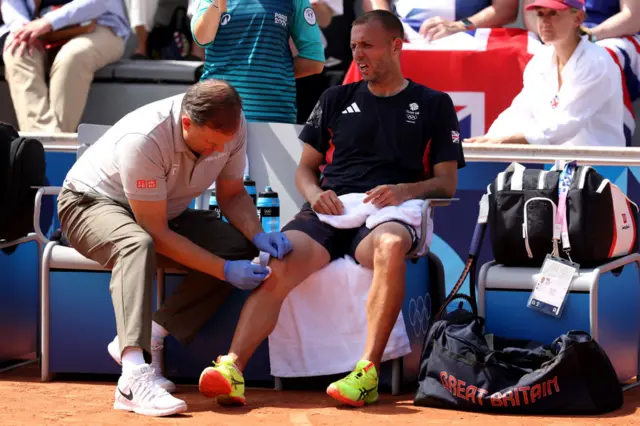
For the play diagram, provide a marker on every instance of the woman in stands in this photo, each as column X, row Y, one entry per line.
column 572, row 92
column 434, row 19
column 605, row 18
column 615, row 25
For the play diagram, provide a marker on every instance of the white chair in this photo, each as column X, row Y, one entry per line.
column 602, row 301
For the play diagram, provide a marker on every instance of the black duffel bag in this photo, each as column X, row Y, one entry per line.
column 463, row 368
column 601, row 220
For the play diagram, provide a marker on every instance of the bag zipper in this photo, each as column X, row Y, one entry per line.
column 525, row 232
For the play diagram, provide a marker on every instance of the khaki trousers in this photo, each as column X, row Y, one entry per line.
column 106, row 232
column 59, row 107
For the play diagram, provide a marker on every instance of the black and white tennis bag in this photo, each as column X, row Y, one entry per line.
column 601, row 222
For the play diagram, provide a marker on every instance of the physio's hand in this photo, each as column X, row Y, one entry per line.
column 386, row 195
column 327, row 202
column 275, row 243
column 243, row 274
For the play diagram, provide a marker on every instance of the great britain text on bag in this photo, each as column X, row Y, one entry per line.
column 524, row 395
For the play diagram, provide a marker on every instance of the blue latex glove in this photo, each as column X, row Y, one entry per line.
column 275, row 243
column 243, row 274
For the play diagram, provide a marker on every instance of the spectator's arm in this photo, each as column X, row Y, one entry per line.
column 206, row 21
column 369, row 5
column 326, row 9
column 307, row 40
column 14, row 13
column 323, row 13
column 75, row 12
column 624, row 23
column 499, row 14
column 513, row 117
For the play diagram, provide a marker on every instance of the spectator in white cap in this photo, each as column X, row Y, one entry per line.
column 572, row 92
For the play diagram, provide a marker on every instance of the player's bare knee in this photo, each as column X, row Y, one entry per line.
column 278, row 285
column 390, row 246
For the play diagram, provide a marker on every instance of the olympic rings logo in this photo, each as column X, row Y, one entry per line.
column 420, row 314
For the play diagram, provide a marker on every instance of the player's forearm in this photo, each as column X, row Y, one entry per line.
column 307, row 182
column 436, row 187
column 206, row 26
column 305, row 67
column 183, row 251
column 241, row 213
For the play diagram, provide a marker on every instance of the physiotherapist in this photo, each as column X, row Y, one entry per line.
column 127, row 200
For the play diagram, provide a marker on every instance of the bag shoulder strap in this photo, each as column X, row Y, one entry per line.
column 560, row 227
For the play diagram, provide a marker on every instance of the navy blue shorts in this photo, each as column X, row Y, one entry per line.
column 338, row 242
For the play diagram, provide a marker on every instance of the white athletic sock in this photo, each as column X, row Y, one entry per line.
column 131, row 358
column 158, row 332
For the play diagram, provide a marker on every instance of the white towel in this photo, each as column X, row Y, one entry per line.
column 322, row 327
column 357, row 213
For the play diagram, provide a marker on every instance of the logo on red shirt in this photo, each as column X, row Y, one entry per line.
column 141, row 183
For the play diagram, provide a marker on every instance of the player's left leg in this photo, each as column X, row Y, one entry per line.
column 384, row 250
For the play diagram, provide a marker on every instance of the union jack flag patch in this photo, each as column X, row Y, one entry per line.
column 455, row 136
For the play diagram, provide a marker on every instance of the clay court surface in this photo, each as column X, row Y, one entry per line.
column 26, row 401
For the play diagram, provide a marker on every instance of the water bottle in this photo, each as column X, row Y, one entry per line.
column 250, row 186
column 213, row 204
column 269, row 210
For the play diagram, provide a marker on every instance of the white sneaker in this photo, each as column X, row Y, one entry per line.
column 156, row 353
column 138, row 391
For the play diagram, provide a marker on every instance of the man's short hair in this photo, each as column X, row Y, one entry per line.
column 390, row 22
column 213, row 103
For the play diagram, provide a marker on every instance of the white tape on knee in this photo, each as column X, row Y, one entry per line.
column 263, row 260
